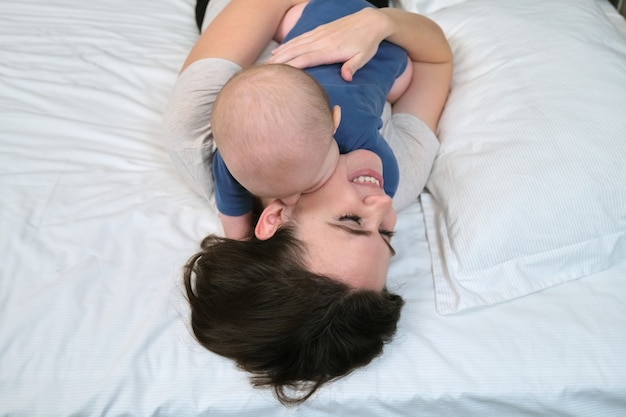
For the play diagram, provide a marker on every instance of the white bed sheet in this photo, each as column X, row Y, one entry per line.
column 95, row 226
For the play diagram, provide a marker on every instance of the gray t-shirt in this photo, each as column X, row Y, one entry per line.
column 189, row 141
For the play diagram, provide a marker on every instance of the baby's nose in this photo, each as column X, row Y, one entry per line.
column 291, row 200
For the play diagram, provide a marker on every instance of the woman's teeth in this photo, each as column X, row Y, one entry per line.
column 365, row 179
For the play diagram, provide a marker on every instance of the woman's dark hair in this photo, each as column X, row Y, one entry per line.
column 256, row 303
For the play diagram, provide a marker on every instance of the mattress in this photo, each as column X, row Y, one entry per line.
column 95, row 226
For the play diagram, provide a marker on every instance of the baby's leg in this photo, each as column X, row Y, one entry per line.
column 289, row 21
column 401, row 83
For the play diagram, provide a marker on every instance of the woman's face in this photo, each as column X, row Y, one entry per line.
column 347, row 224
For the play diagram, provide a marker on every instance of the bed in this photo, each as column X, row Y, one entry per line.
column 512, row 262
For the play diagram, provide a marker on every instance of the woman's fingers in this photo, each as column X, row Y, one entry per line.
column 352, row 61
column 347, row 70
column 349, row 40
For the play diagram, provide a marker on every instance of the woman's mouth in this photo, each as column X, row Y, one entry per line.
column 367, row 177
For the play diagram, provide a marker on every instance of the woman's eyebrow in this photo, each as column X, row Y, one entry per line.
column 361, row 232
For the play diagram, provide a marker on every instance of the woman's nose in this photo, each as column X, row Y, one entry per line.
column 381, row 211
column 380, row 203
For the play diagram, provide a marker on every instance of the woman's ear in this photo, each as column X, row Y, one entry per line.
column 270, row 220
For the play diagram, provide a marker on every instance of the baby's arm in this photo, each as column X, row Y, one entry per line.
column 232, row 198
column 237, row 227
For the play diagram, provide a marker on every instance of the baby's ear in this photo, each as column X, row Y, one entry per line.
column 336, row 116
column 270, row 220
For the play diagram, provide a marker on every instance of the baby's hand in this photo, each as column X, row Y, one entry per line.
column 237, row 227
column 353, row 40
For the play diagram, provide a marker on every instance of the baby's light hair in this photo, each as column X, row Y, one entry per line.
column 272, row 116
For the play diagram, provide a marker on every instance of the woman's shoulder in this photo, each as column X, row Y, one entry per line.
column 191, row 101
column 200, row 81
column 209, row 68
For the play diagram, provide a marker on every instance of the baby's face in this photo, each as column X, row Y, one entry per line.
column 307, row 171
column 312, row 171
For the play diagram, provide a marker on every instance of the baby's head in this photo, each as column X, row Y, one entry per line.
column 274, row 127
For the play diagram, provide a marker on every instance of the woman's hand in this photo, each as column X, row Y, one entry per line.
column 353, row 40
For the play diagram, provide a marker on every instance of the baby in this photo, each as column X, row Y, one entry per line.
column 279, row 130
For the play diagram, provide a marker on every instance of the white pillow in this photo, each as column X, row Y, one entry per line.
column 424, row 6
column 529, row 188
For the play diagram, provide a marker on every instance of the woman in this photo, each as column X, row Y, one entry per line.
column 304, row 301
column 283, row 305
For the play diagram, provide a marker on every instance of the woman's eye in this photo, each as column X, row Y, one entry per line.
column 387, row 233
column 351, row 217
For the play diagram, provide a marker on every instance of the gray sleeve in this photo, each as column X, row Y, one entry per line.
column 186, row 129
column 415, row 147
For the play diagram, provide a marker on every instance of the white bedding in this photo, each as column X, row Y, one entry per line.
column 527, row 190
column 95, row 226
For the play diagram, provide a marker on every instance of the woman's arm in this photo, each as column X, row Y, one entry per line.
column 354, row 40
column 432, row 59
column 240, row 31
